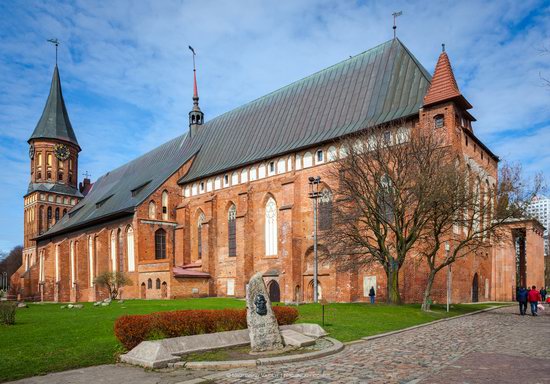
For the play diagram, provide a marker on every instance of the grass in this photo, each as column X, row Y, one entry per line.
column 46, row 338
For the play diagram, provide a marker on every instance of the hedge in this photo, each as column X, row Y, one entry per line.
column 7, row 312
column 131, row 330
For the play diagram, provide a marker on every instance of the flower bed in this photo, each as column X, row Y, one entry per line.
column 131, row 330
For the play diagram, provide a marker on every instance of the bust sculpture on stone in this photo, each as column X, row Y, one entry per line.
column 262, row 323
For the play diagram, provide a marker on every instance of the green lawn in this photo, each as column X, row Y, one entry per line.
column 47, row 338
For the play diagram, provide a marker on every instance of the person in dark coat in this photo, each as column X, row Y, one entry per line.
column 533, row 297
column 372, row 295
column 543, row 294
column 521, row 297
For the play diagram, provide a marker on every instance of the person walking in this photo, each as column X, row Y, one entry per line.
column 521, row 297
column 533, row 297
column 372, row 295
column 543, row 294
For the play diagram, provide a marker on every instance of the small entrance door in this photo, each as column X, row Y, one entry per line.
column 142, row 291
column 475, row 289
column 164, row 290
column 274, row 291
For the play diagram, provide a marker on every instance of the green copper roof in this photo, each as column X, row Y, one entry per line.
column 379, row 85
column 382, row 84
column 55, row 123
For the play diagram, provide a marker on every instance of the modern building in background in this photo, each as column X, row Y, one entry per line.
column 229, row 197
column 540, row 209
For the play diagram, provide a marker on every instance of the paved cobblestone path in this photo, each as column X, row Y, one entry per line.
column 497, row 346
column 492, row 347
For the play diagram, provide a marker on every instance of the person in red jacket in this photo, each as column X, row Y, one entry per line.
column 533, row 296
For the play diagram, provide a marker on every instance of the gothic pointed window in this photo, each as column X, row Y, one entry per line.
column 130, row 248
column 439, row 121
column 271, row 227
column 49, row 222
column 200, row 222
column 149, row 284
column 41, row 219
column 152, row 210
column 160, row 244
column 91, row 260
column 157, row 284
column 325, row 210
column 232, row 230
column 56, row 215
column 385, row 198
column 165, row 205
column 113, row 251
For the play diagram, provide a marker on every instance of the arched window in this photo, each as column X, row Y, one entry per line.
column 281, row 166
column 439, row 121
column 271, row 227
column 41, row 219
column 325, row 210
column 164, row 205
column 56, row 263
column 298, row 162
column 331, row 153
column 56, row 215
column 130, row 247
column 49, row 222
column 64, row 211
column 232, row 230
column 91, row 259
column 234, row 178
column 160, row 244
column 253, row 174
column 152, row 210
column 385, row 198
column 244, row 176
column 120, row 250
column 73, row 270
column 200, row 222
column 40, row 159
column 113, row 251
column 308, row 160
column 157, row 285
column 49, row 163
column 217, row 182
column 149, row 284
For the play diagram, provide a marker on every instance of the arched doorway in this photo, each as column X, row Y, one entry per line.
column 142, row 291
column 310, row 295
column 164, row 290
column 274, row 291
column 297, row 294
column 475, row 289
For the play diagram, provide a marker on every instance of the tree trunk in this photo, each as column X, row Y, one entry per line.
column 428, row 291
column 393, row 296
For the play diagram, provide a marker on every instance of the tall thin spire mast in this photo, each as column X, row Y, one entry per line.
column 196, row 117
column 56, row 43
column 395, row 16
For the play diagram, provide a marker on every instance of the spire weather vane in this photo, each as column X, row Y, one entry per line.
column 395, row 16
column 194, row 54
column 87, row 175
column 56, row 42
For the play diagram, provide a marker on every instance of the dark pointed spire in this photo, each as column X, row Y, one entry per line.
column 196, row 117
column 55, row 123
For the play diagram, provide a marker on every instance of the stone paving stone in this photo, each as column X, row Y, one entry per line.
column 424, row 354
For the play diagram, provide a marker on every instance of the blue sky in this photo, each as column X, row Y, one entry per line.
column 127, row 73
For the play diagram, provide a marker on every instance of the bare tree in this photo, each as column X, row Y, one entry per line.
column 401, row 196
column 113, row 281
column 470, row 212
column 384, row 200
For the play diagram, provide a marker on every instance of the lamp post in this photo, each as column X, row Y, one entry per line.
column 314, row 195
column 5, row 280
column 447, row 250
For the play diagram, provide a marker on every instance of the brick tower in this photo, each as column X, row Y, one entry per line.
column 52, row 191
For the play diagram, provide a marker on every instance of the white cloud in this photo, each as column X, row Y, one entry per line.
column 126, row 69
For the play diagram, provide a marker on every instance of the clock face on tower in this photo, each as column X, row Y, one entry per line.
column 31, row 151
column 61, row 152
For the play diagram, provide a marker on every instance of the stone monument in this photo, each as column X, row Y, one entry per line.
column 262, row 324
